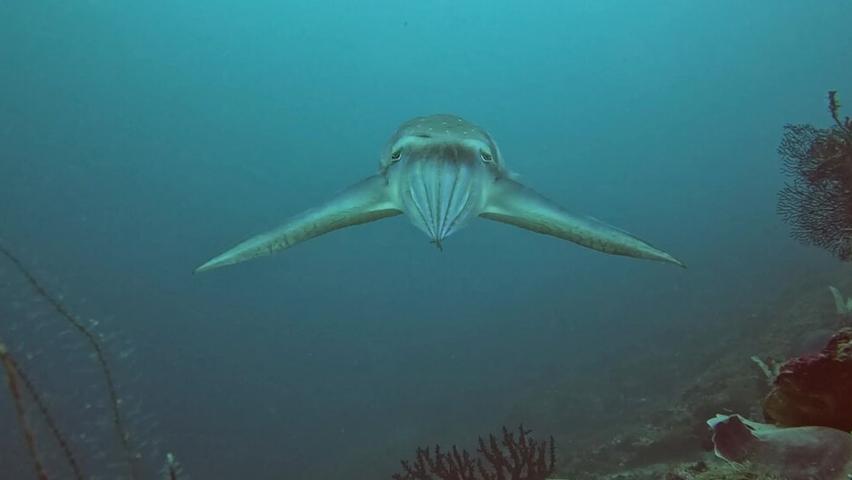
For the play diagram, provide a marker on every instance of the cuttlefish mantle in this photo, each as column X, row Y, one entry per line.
column 441, row 171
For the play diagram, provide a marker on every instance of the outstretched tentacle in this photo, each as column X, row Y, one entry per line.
column 513, row 203
column 363, row 202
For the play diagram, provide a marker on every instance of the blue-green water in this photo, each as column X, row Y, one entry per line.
column 138, row 139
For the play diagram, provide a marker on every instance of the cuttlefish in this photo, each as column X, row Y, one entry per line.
column 442, row 171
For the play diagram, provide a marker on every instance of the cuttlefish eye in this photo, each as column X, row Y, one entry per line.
column 486, row 156
column 395, row 155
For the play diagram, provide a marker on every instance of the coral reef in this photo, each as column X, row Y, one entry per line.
column 511, row 458
column 816, row 202
column 655, row 431
column 815, row 389
column 797, row 453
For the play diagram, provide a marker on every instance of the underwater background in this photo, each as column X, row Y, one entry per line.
column 138, row 139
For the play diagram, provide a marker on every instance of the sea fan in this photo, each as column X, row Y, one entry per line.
column 817, row 200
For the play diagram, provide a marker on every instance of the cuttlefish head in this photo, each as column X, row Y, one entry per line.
column 439, row 170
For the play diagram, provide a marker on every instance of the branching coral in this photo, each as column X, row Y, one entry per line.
column 510, row 458
column 12, row 377
column 842, row 305
column 817, row 200
column 172, row 470
column 769, row 367
column 63, row 311
column 24, row 394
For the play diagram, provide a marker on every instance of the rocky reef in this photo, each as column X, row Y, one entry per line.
column 664, row 434
column 792, row 453
column 788, row 363
column 815, row 390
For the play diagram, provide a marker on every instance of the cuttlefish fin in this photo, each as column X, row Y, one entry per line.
column 363, row 202
column 513, row 203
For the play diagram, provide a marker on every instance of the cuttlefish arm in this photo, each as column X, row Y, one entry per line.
column 363, row 202
column 513, row 203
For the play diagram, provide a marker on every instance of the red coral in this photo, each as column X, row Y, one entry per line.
column 815, row 389
column 512, row 458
